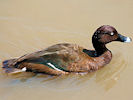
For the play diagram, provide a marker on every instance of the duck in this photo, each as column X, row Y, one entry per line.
column 65, row 58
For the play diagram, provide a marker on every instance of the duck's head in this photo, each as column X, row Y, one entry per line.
column 107, row 33
column 104, row 35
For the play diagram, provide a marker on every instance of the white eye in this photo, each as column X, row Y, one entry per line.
column 111, row 33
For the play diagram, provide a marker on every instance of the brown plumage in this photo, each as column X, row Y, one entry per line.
column 69, row 58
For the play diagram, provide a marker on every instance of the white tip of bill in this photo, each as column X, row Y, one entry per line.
column 128, row 39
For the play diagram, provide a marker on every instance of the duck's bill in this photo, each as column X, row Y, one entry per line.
column 122, row 38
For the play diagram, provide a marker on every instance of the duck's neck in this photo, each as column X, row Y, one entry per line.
column 104, row 55
column 100, row 48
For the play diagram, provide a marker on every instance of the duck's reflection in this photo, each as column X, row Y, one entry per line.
column 109, row 76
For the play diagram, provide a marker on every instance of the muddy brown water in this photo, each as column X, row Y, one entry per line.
column 30, row 25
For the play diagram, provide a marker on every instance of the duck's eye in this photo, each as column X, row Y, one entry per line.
column 111, row 33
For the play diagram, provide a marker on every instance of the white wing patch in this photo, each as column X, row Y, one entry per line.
column 53, row 67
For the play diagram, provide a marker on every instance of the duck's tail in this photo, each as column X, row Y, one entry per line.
column 8, row 65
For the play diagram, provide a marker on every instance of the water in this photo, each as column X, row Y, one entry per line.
column 30, row 25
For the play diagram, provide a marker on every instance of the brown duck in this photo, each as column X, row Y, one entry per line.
column 68, row 58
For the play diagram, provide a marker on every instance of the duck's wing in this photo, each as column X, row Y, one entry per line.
column 57, row 57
